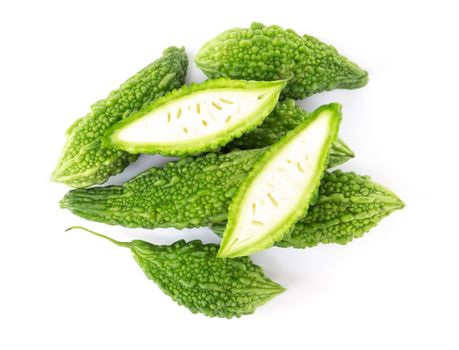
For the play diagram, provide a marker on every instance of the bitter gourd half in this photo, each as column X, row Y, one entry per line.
column 196, row 118
column 348, row 205
column 192, row 276
column 84, row 161
column 272, row 53
column 285, row 117
column 278, row 190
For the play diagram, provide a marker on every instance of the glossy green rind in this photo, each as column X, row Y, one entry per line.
column 285, row 117
column 177, row 147
column 348, row 205
column 84, row 161
column 273, row 53
column 192, row 275
column 268, row 237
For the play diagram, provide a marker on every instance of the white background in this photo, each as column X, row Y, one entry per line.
column 396, row 288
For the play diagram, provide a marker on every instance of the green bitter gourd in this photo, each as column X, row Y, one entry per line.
column 197, row 192
column 192, row 275
column 191, row 192
column 285, row 117
column 84, row 161
column 348, row 205
column 272, row 53
column 196, row 118
column 279, row 189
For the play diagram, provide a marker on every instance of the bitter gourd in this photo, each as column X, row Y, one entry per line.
column 192, row 275
column 194, row 193
column 348, row 205
column 272, row 53
column 196, row 118
column 84, row 161
column 285, row 117
column 278, row 191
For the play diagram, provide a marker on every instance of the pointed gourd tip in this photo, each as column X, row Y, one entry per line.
column 359, row 79
column 401, row 204
column 282, row 83
column 63, row 203
column 278, row 289
column 55, row 175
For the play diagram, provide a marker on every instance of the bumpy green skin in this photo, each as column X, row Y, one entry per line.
column 272, row 53
column 191, row 192
column 197, row 193
column 285, row 117
column 192, row 275
column 348, row 206
column 84, row 161
column 339, row 154
column 207, row 144
column 269, row 237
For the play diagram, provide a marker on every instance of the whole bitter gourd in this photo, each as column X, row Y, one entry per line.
column 348, row 205
column 84, row 161
column 192, row 275
column 285, row 117
column 195, row 192
column 272, row 53
column 191, row 192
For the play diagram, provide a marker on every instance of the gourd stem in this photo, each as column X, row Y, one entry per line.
column 121, row 244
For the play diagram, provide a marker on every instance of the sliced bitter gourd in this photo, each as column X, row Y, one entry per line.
column 196, row 118
column 285, row 117
column 278, row 190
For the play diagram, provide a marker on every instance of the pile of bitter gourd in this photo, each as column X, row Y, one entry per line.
column 253, row 166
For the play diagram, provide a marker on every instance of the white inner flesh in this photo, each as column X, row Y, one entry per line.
column 195, row 116
column 281, row 185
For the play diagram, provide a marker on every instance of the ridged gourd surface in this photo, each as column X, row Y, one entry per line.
column 273, row 53
column 192, row 275
column 84, row 161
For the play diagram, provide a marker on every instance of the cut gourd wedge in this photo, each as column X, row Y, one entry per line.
column 278, row 190
column 196, row 118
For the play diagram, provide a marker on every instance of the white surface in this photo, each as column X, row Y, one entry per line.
column 396, row 288
column 178, row 121
column 280, row 187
